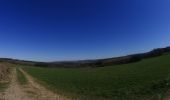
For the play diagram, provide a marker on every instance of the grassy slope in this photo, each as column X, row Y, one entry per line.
column 144, row 79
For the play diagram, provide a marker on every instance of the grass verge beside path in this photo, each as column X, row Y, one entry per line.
column 21, row 77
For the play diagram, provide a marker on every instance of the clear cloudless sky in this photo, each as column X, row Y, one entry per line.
column 55, row 30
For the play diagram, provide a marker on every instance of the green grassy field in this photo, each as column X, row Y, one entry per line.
column 144, row 80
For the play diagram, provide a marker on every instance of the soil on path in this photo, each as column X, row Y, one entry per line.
column 31, row 91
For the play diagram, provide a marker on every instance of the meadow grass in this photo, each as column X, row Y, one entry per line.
column 21, row 77
column 144, row 80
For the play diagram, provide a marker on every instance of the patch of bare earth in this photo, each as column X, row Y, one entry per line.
column 4, row 72
column 4, row 78
column 167, row 96
column 14, row 91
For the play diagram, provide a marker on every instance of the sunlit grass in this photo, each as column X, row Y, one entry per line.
column 136, row 81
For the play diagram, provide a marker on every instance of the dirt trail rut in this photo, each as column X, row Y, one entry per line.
column 31, row 91
column 14, row 92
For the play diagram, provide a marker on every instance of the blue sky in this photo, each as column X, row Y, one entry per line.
column 55, row 30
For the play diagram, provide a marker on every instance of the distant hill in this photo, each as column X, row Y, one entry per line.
column 93, row 63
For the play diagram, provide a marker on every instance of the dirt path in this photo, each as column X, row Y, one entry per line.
column 31, row 91
column 14, row 92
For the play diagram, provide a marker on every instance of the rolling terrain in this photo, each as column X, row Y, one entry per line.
column 143, row 76
column 148, row 79
column 94, row 62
